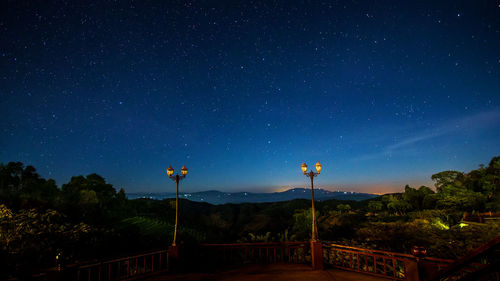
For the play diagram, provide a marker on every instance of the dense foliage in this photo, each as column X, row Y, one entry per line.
column 87, row 218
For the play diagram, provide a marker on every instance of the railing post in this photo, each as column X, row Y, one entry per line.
column 173, row 252
column 57, row 274
column 128, row 267
column 424, row 269
column 173, row 258
column 304, row 248
column 60, row 271
column 411, row 270
column 159, row 262
column 317, row 255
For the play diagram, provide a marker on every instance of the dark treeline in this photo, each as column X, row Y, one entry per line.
column 88, row 218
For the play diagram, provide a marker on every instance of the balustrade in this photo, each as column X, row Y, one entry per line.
column 123, row 268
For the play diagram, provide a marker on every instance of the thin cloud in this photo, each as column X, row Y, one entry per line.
column 472, row 123
column 416, row 139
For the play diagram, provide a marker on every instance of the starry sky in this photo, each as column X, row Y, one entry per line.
column 382, row 93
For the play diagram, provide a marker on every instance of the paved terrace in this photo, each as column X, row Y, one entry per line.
column 272, row 272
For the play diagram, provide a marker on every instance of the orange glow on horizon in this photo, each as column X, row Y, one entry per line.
column 373, row 188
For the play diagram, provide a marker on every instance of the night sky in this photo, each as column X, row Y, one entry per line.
column 382, row 93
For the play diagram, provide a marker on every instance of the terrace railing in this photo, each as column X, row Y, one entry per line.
column 131, row 267
column 480, row 217
column 267, row 253
column 483, row 263
column 373, row 262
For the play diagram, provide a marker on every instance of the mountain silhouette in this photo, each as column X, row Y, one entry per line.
column 219, row 197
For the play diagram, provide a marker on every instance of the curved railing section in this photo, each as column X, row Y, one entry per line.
column 373, row 262
column 483, row 263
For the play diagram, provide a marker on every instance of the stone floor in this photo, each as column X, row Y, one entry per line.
column 274, row 272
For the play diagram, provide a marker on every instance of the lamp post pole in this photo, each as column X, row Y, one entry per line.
column 177, row 178
column 316, row 247
column 314, row 235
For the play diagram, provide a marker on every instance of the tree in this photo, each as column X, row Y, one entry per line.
column 415, row 197
column 10, row 177
column 446, row 178
column 460, row 198
column 30, row 238
column 375, row 206
column 90, row 198
column 343, row 208
column 303, row 224
column 23, row 187
column 429, row 201
column 399, row 207
column 253, row 238
column 491, row 183
column 426, row 190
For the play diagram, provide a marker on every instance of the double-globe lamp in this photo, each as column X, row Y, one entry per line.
column 311, row 175
column 177, row 178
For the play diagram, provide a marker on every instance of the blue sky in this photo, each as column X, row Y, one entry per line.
column 382, row 94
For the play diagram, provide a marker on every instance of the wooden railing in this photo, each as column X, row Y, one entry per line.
column 480, row 217
column 379, row 263
column 463, row 272
column 267, row 252
column 123, row 268
column 483, row 263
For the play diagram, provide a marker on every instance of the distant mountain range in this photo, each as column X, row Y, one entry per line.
column 218, row 197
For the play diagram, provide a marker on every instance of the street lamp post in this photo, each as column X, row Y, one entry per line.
column 177, row 179
column 316, row 247
column 311, row 175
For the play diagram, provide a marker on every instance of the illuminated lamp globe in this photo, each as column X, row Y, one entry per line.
column 418, row 251
column 303, row 167
column 170, row 171
column 318, row 167
column 184, row 170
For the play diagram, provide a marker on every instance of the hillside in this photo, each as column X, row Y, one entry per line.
column 218, row 197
